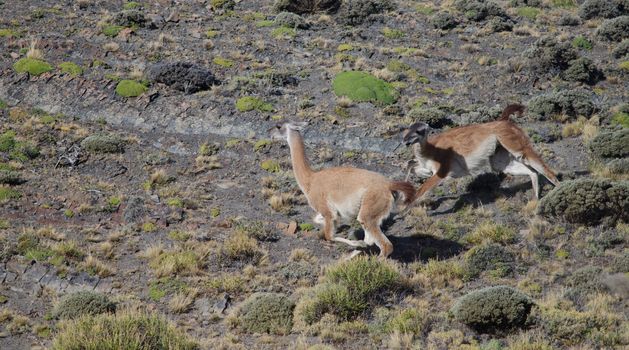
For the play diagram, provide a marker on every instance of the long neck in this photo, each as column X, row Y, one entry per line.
column 423, row 149
column 301, row 168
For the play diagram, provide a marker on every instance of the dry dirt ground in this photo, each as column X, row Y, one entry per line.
column 190, row 198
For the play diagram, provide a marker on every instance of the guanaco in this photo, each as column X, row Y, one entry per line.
column 500, row 146
column 344, row 194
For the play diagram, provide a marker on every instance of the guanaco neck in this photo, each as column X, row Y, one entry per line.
column 301, row 167
column 423, row 149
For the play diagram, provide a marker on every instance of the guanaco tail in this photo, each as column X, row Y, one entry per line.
column 499, row 146
column 344, row 194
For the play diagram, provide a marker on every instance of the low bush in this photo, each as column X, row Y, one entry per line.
column 266, row 313
column 493, row 308
column 83, row 303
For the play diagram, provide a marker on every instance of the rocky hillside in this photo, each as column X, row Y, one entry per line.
column 143, row 204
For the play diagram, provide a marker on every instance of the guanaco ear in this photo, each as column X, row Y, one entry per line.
column 415, row 133
column 297, row 125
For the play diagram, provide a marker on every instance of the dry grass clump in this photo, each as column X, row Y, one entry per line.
column 243, row 248
column 489, row 231
column 124, row 330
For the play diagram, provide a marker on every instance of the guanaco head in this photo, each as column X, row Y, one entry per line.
column 280, row 131
column 416, row 133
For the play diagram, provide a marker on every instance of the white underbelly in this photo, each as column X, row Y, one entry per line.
column 347, row 209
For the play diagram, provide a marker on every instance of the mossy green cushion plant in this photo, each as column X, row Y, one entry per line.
column 71, row 68
column 32, row 66
column 250, row 103
column 130, row 88
column 364, row 87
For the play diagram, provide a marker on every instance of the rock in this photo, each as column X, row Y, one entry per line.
column 135, row 210
column 183, row 76
column 493, row 308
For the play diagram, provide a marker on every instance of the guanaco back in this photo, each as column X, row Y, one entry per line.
column 499, row 146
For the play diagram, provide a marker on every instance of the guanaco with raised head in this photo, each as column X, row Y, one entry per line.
column 499, row 146
column 344, row 194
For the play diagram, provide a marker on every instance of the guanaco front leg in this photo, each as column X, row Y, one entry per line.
column 429, row 184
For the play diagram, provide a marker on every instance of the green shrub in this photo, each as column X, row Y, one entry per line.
column 290, row 20
column 567, row 102
column 32, row 66
column 132, row 5
column 491, row 257
column 355, row 12
column 306, row 6
column 266, row 313
column 130, row 88
column 350, row 289
column 364, row 87
column 479, row 10
column 391, row 33
column 621, row 50
column 112, row 30
column 443, row 20
column 614, row 144
column 7, row 194
column 570, row 327
column 103, row 143
column 223, row 4
column 250, row 103
column 433, row 116
column 581, row 42
column 582, row 70
column 618, row 166
column 7, row 141
column 547, row 55
column 584, row 281
column 83, row 303
column 615, row 29
column 493, row 308
column 587, row 201
column 71, row 68
column 7, row 33
column 283, row 32
column 223, row 62
column 528, row 12
column 125, row 330
column 603, row 8
column 8, row 177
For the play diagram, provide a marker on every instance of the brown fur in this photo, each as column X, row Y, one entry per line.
column 344, row 193
column 511, row 109
column 451, row 150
